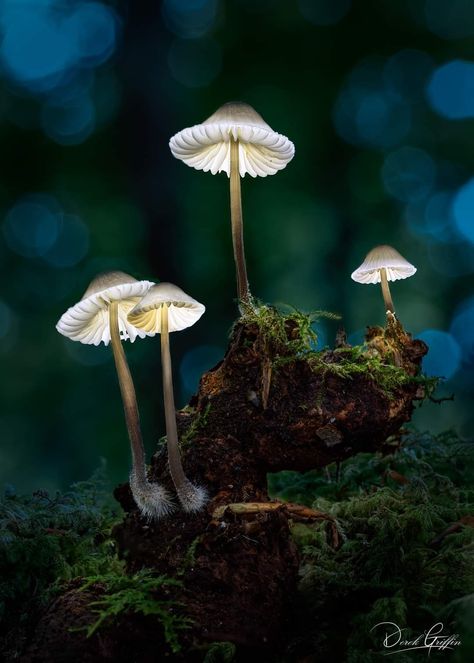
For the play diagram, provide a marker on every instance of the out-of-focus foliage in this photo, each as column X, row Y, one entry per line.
column 377, row 99
column 48, row 540
column 405, row 550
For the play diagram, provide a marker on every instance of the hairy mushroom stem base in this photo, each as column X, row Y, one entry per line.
column 192, row 497
column 243, row 292
column 387, row 297
column 151, row 498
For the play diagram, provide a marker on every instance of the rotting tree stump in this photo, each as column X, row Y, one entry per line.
column 267, row 406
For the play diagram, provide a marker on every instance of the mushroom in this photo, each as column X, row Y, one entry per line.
column 101, row 317
column 166, row 308
column 381, row 265
column 236, row 140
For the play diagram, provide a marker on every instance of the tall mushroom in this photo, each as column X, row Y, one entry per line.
column 166, row 308
column 236, row 140
column 101, row 317
column 381, row 265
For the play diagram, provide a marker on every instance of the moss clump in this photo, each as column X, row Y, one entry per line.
column 284, row 334
column 347, row 363
column 286, row 337
column 405, row 553
column 142, row 593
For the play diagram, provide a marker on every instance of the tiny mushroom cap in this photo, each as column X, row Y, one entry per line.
column 183, row 310
column 206, row 146
column 383, row 257
column 88, row 321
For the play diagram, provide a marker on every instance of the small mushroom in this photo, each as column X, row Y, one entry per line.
column 236, row 140
column 166, row 308
column 381, row 265
column 101, row 317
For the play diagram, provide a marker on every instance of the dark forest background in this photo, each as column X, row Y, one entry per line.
column 378, row 97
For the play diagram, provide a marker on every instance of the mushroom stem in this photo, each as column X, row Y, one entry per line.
column 243, row 292
column 191, row 497
column 129, row 398
column 151, row 498
column 387, row 297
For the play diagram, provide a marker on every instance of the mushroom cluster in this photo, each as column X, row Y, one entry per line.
column 117, row 307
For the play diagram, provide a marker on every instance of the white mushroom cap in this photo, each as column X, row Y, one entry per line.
column 183, row 310
column 88, row 321
column 206, row 146
column 380, row 257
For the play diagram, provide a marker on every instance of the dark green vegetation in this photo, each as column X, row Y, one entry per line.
column 405, row 549
column 401, row 549
column 51, row 544
column 138, row 593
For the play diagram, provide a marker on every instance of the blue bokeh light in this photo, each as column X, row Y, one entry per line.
column 408, row 174
column 462, row 328
column 35, row 51
column 94, row 26
column 444, row 355
column 406, row 73
column 463, row 210
column 71, row 245
column 32, row 226
column 453, row 260
column 450, row 90
column 357, row 337
column 71, row 122
column 450, row 19
column 195, row 62
column 36, row 227
column 367, row 114
column 46, row 39
column 433, row 217
column 324, row 12
column 189, row 18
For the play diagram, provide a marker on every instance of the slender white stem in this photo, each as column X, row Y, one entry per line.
column 129, row 398
column 192, row 497
column 243, row 292
column 151, row 498
column 387, row 297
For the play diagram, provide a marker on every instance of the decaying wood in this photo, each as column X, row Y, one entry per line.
column 253, row 414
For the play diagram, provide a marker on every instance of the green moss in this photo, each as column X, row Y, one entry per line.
column 220, row 652
column 281, row 333
column 397, row 560
column 286, row 336
column 46, row 541
column 348, row 363
column 199, row 421
column 142, row 593
column 46, row 538
column 190, row 555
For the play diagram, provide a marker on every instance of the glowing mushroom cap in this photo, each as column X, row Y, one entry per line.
column 206, row 146
column 383, row 257
column 88, row 321
column 183, row 310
